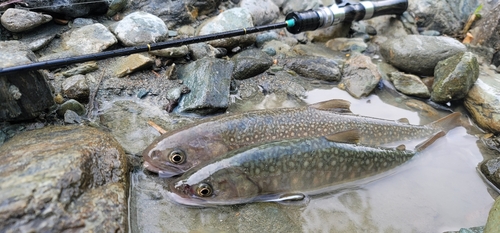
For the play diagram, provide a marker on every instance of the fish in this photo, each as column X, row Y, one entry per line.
column 175, row 152
column 285, row 170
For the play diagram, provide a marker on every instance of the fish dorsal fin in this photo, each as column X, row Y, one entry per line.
column 348, row 136
column 335, row 105
column 429, row 141
column 448, row 122
column 404, row 120
column 401, row 147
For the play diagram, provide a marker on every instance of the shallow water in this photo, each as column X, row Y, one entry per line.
column 439, row 190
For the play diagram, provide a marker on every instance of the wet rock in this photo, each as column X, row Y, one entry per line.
column 418, row 54
column 315, row 67
column 201, row 50
column 263, row 11
column 209, row 81
column 388, row 27
column 71, row 117
column 424, row 110
column 409, row 84
column 483, row 102
column 132, row 63
column 235, row 18
column 485, row 29
column 76, row 87
column 277, row 46
column 84, row 68
column 360, row 76
column 88, row 39
column 36, row 96
column 454, row 77
column 328, row 33
column 250, row 63
column 479, row 229
column 16, row 20
column 347, row 44
column 70, row 8
column 180, row 51
column 265, row 37
column 493, row 223
column 321, row 51
column 79, row 186
column 175, row 13
column 174, row 95
column 491, row 170
column 447, row 17
column 140, row 28
column 72, row 105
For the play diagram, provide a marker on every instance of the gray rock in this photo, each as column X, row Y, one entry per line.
column 235, row 18
column 447, row 17
column 80, row 22
column 298, row 5
column 71, row 117
column 315, row 67
column 115, row 6
column 88, row 39
column 36, row 95
column 491, row 170
column 201, row 50
column 209, row 81
column 140, row 28
column 131, row 63
column 430, row 33
column 325, row 34
column 418, row 54
column 388, row 27
column 265, row 37
column 70, row 8
column 347, row 44
column 479, row 229
column 484, row 31
column 72, row 105
column 263, row 11
column 78, row 181
column 410, row 84
column 250, row 63
column 360, row 76
column 181, row 51
column 493, row 222
column 278, row 46
column 16, row 20
column 483, row 102
column 76, row 87
column 454, row 77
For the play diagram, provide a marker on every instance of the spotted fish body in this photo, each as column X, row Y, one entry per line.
column 216, row 136
column 270, row 171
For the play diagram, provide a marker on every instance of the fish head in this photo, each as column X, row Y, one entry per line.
column 226, row 186
column 176, row 153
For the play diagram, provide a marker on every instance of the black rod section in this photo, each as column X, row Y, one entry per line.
column 138, row 49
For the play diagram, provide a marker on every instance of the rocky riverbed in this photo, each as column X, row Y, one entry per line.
column 71, row 138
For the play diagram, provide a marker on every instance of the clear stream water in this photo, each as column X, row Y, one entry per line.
column 439, row 190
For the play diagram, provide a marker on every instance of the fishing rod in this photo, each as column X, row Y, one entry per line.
column 295, row 22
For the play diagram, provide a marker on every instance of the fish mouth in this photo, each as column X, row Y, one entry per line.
column 161, row 172
column 181, row 196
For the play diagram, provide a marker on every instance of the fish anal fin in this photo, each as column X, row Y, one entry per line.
column 404, row 120
column 401, row 147
column 335, row 105
column 429, row 141
column 349, row 136
column 448, row 122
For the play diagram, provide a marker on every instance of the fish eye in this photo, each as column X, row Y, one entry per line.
column 204, row 190
column 177, row 157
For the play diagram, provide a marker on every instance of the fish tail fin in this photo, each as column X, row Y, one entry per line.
column 429, row 141
column 447, row 123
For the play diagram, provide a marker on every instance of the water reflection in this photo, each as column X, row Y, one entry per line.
column 438, row 190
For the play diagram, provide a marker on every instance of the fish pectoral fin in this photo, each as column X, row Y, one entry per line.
column 401, row 147
column 349, row 136
column 335, row 105
column 429, row 141
column 404, row 120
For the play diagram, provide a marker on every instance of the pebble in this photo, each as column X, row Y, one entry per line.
column 76, row 87
column 131, row 63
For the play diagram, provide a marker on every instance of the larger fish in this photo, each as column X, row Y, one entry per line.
column 177, row 151
column 282, row 169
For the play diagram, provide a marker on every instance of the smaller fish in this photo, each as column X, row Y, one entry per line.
column 286, row 170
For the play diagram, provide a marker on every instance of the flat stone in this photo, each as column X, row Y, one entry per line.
column 76, row 87
column 315, row 67
column 418, row 54
column 84, row 68
column 63, row 177
column 453, row 77
column 88, row 39
column 232, row 19
column 181, row 51
column 131, row 63
column 17, row 20
column 483, row 102
column 140, row 28
column 209, row 81
column 360, row 76
column 410, row 84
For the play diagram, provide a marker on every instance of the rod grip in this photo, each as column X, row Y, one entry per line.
column 389, row 7
column 304, row 21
